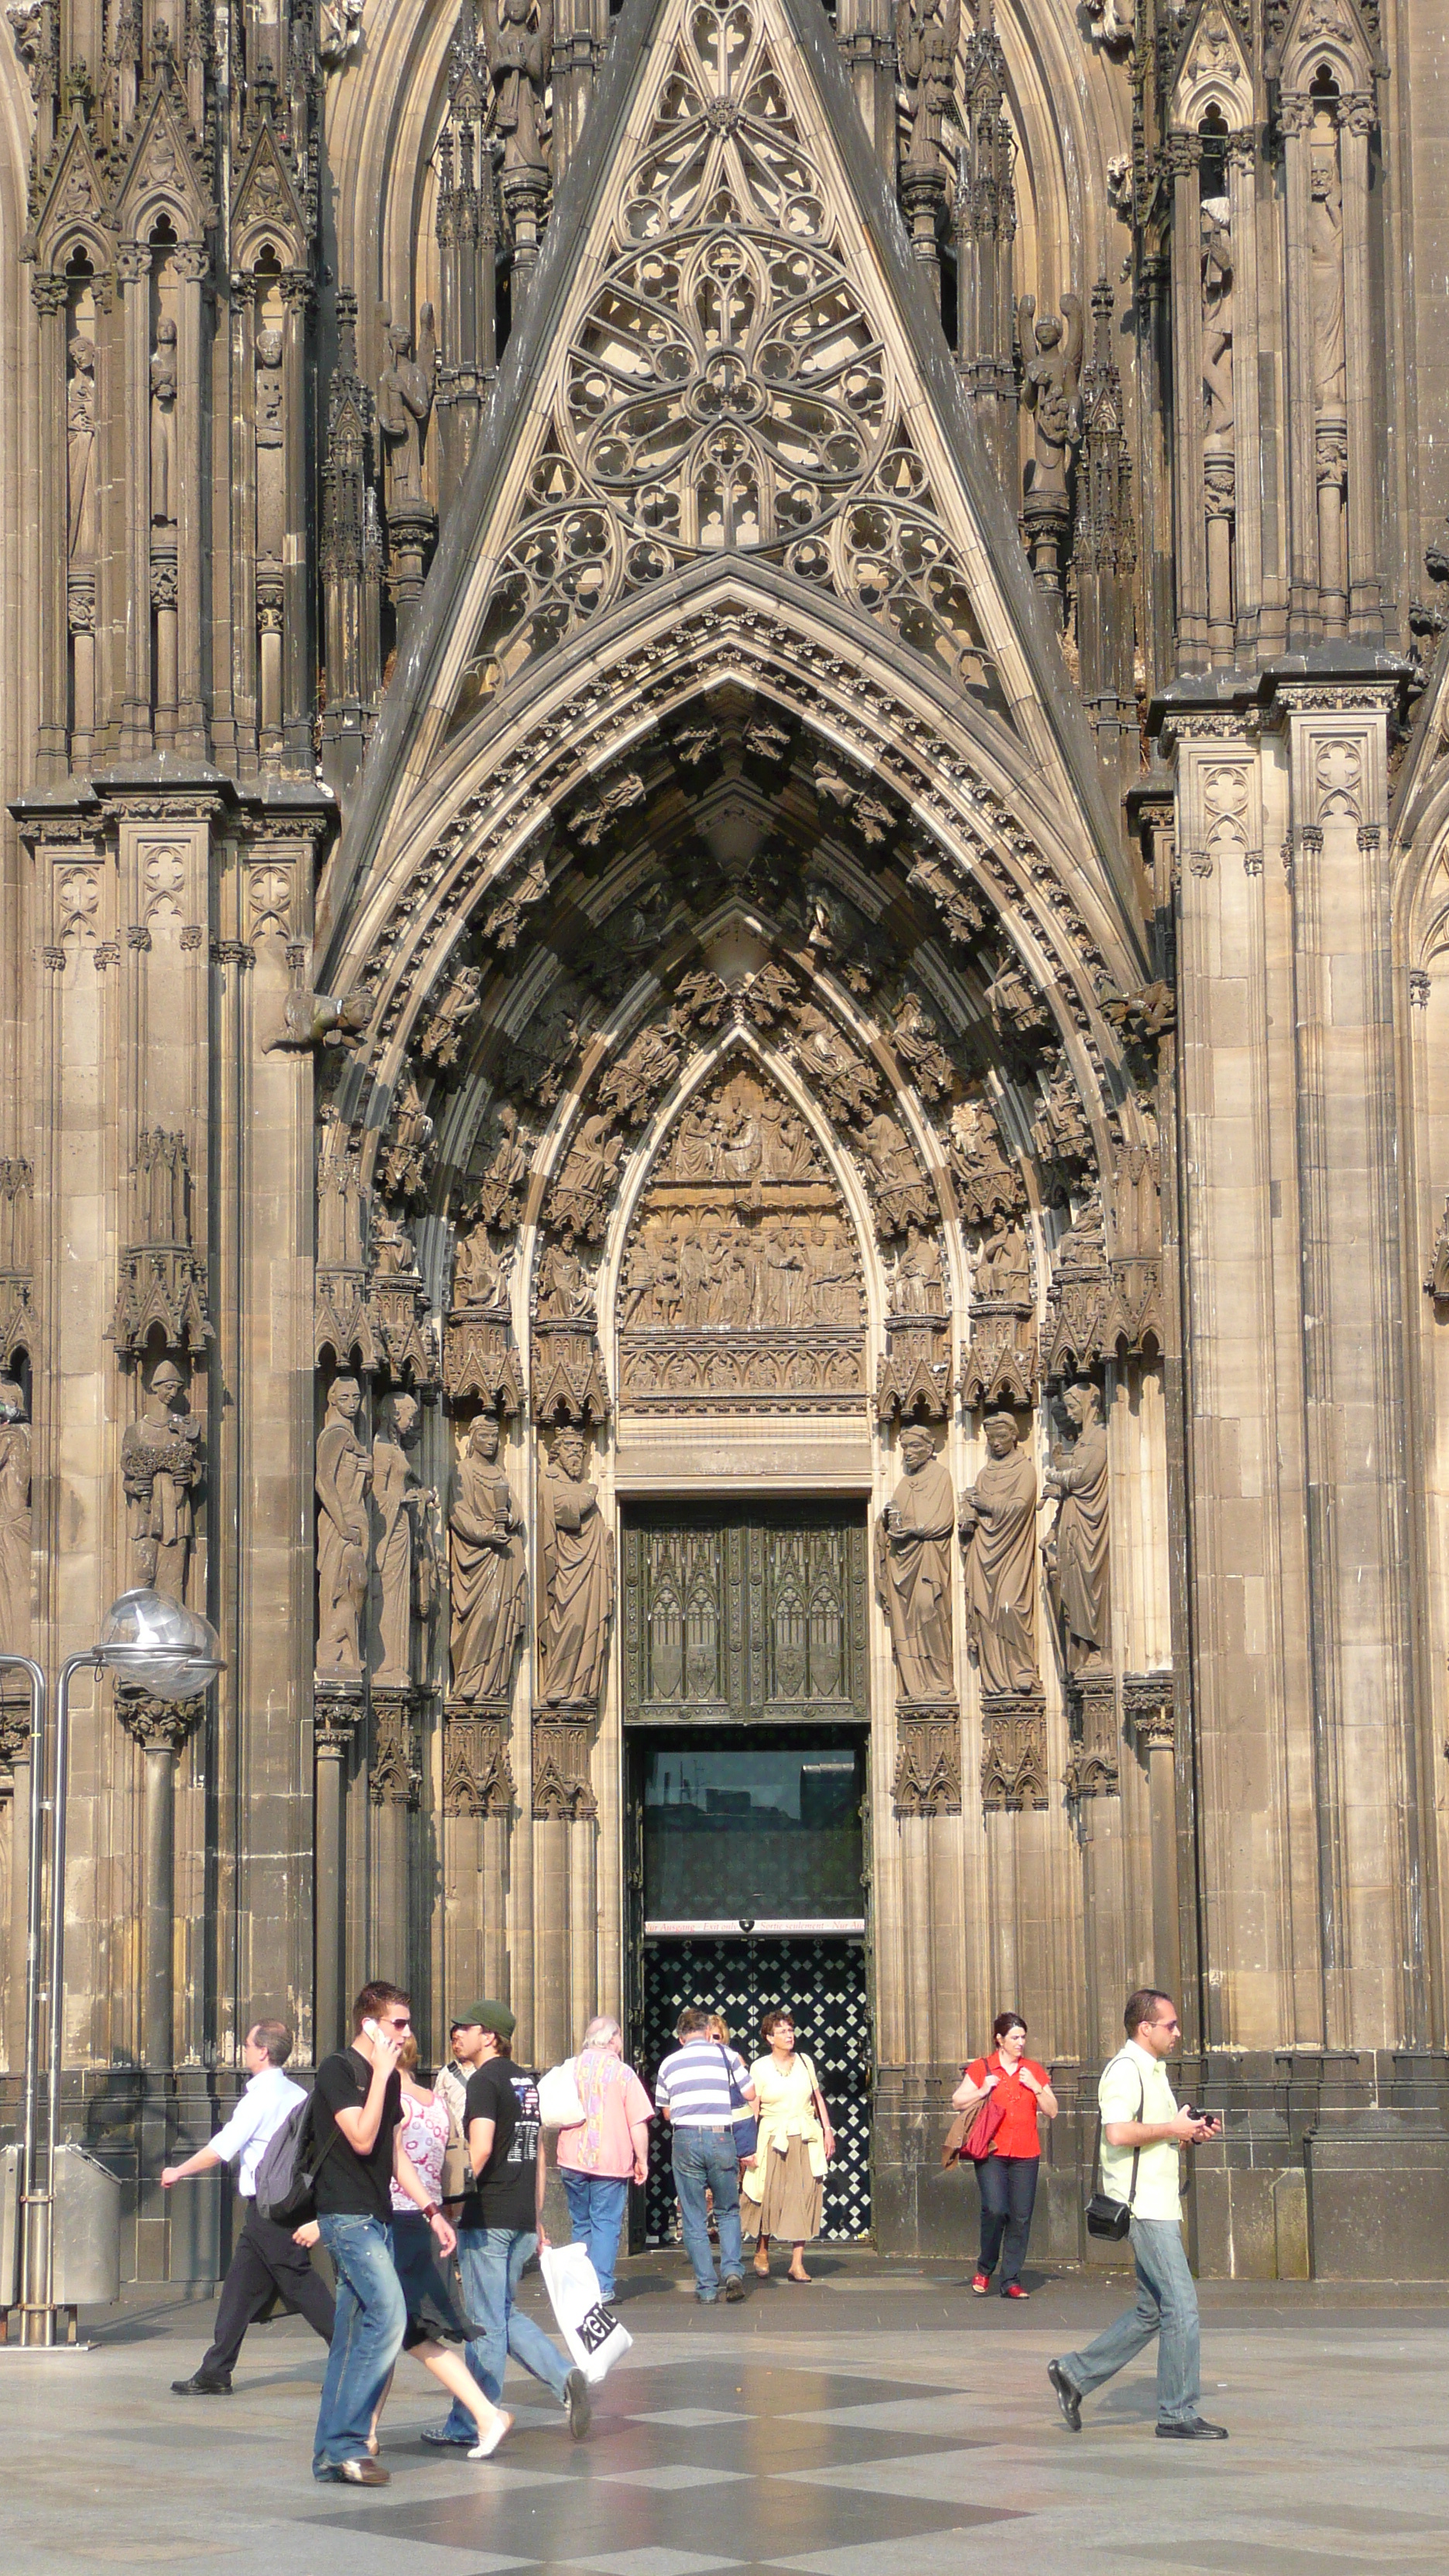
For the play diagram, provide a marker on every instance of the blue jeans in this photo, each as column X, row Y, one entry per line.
column 1008, row 2197
column 597, row 2203
column 491, row 2260
column 706, row 2160
column 366, row 2339
column 1166, row 2307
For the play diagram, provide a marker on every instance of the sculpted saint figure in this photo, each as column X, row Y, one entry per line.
column 1078, row 1479
column 576, row 1553
column 918, row 1287
column 14, row 1520
column 998, row 1534
column 565, row 1292
column 160, row 1468
column 913, row 1571
column 1217, row 313
column 479, row 1277
column 519, row 58
column 485, row 1538
column 404, row 401
column 343, row 1476
column 80, row 445
column 1051, row 359
column 163, row 425
column 398, row 1499
column 500, row 1192
column 1325, row 236
column 1003, row 1273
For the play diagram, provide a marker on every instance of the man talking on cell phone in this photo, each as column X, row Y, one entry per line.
column 1143, row 2133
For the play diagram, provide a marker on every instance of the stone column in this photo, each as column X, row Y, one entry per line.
column 161, row 1728
column 192, row 261
column 1184, row 156
column 1305, row 623
column 49, row 292
column 338, row 1710
column 296, row 636
column 394, row 1781
column 1252, row 468
column 134, row 271
column 1356, row 120
column 1148, row 1704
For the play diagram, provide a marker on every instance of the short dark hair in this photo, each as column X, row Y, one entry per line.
column 371, row 2000
column 1140, row 2007
column 275, row 2038
column 691, row 2022
column 768, row 2020
column 1005, row 2022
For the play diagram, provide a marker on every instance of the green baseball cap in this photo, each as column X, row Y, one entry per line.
column 486, row 2016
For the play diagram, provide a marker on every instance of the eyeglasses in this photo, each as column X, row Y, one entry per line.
column 398, row 2021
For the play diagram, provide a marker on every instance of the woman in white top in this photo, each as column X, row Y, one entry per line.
column 782, row 2186
column 436, row 2330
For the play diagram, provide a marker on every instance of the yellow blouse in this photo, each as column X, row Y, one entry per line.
column 785, row 2109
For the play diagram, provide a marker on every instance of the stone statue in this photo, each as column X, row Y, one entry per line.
column 1051, row 361
column 1003, row 1272
column 918, row 1287
column 269, row 389
column 1217, row 314
column 163, row 425
column 1079, row 1544
column 564, row 1291
column 343, row 1477
column 928, row 33
column 160, row 1469
column 15, row 1606
column 80, row 448
column 398, row 1500
column 488, row 1582
column 998, row 1535
column 479, row 1276
column 913, row 1571
column 520, row 60
column 404, row 402
column 1325, row 236
column 501, row 1190
column 576, row 1553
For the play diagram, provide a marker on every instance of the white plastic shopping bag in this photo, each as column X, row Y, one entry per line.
column 592, row 2332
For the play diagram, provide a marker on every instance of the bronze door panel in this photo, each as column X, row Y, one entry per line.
column 757, row 1615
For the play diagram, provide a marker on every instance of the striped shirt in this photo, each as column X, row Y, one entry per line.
column 694, row 2085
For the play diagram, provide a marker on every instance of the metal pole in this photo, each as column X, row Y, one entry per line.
column 23, row 1664
column 55, row 2027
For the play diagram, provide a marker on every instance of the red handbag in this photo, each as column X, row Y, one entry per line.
column 984, row 2127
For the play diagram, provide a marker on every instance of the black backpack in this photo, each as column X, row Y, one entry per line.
column 288, row 2167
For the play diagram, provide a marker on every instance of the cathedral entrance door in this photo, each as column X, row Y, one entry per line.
column 746, row 1721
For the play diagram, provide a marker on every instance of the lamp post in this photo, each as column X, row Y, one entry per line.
column 173, row 1653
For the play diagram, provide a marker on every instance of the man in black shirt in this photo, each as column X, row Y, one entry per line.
column 356, row 2117
column 501, row 2223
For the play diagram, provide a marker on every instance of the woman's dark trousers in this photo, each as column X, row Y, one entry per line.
column 1008, row 2195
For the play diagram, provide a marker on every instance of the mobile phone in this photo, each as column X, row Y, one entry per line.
column 372, row 2030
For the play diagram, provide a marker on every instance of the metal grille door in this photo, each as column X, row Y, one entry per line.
column 824, row 1983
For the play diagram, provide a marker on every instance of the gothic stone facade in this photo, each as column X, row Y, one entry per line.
column 723, row 758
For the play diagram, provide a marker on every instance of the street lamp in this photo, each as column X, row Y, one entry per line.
column 173, row 1653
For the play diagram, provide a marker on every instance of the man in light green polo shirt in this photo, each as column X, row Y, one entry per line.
column 1143, row 2134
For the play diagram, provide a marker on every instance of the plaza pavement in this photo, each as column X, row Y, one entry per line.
column 885, row 2423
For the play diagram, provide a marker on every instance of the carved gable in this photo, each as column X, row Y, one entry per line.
column 1215, row 76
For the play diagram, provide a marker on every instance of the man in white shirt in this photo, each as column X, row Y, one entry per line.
column 270, row 2262
column 1143, row 2133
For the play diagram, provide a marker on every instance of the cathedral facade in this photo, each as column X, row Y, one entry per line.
column 724, row 1052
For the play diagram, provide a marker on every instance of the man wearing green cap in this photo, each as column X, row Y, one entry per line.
column 500, row 2223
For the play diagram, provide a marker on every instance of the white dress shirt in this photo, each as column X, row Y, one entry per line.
column 258, row 2115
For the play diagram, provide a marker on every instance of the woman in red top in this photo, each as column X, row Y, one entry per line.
column 1008, row 2170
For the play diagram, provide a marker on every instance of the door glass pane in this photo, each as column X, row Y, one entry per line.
column 752, row 1830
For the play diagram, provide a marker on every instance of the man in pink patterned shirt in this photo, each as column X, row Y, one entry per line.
column 598, row 2161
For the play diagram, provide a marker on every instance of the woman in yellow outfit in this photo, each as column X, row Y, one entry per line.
column 781, row 2188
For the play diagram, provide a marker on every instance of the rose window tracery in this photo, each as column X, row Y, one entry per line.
column 726, row 389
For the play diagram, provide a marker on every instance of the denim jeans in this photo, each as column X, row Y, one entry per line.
column 491, row 2260
column 1166, row 2307
column 706, row 2160
column 1008, row 2197
column 597, row 2203
column 366, row 2338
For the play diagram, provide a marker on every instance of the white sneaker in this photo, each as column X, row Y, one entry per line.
column 500, row 2425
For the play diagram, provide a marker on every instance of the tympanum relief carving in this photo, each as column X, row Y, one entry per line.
column 741, row 1283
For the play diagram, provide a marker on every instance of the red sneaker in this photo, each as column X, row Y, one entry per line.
column 981, row 2284
column 1014, row 2290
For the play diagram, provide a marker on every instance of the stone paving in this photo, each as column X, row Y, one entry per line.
column 883, row 2424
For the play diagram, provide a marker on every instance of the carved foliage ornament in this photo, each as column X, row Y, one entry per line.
column 726, row 388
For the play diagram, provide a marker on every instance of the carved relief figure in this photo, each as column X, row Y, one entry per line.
column 14, row 1520
column 1079, row 1544
column 899, row 1188
column 576, row 1554
column 1051, row 361
column 485, row 1537
column 1325, row 236
column 80, row 443
column 399, row 1501
column 998, row 1535
column 163, row 425
column 269, row 389
column 404, row 402
column 1217, row 313
column 479, row 1276
column 342, row 1479
column 928, row 33
column 501, row 1190
column 1003, row 1272
column 160, row 1468
column 520, row 58
column 913, row 1571
column 918, row 1287
column 564, row 1291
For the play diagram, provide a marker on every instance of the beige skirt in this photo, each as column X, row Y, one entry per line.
column 790, row 2208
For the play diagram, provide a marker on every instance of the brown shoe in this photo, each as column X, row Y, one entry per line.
column 362, row 2473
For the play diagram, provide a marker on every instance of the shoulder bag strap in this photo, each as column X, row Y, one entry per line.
column 1136, row 2152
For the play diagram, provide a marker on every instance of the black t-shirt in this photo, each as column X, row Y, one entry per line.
column 505, row 2193
column 350, row 2185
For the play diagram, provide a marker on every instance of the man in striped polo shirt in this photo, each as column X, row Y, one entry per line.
column 693, row 2092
